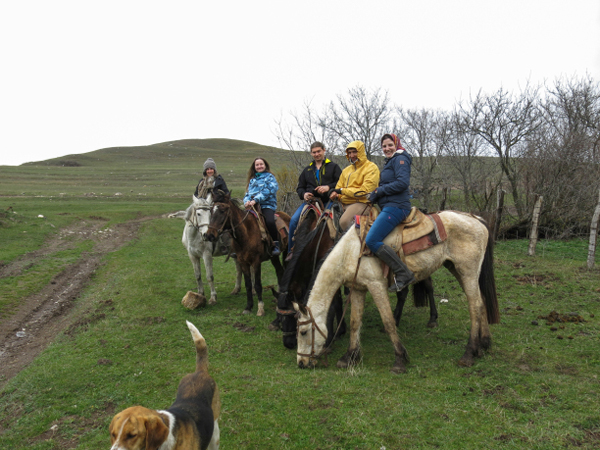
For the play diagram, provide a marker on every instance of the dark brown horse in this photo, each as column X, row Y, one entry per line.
column 247, row 244
column 311, row 244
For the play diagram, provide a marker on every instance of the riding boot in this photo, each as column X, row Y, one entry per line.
column 402, row 275
column 276, row 251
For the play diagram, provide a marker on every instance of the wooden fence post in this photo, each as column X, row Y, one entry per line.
column 533, row 236
column 498, row 213
column 593, row 235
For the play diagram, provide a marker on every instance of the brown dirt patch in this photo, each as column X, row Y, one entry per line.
column 40, row 317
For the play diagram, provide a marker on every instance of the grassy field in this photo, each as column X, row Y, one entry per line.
column 128, row 344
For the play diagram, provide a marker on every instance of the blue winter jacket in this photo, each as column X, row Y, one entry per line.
column 395, row 181
column 263, row 189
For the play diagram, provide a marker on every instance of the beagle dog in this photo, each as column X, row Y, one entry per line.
column 191, row 423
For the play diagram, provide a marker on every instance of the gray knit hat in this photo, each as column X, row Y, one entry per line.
column 210, row 164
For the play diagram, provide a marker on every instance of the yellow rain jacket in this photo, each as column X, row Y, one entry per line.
column 363, row 175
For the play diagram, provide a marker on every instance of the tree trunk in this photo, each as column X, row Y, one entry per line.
column 444, row 196
column 593, row 235
column 498, row 213
column 533, row 237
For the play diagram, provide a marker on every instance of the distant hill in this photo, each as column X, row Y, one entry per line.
column 185, row 151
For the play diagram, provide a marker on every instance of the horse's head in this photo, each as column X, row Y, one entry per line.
column 288, row 319
column 312, row 334
column 220, row 219
column 198, row 214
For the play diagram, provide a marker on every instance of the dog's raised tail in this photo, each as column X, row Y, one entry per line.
column 201, row 348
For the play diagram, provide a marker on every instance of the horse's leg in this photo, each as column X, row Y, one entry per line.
column 382, row 301
column 480, row 337
column 248, row 283
column 352, row 355
column 197, row 272
column 258, row 289
column 433, row 314
column 401, row 300
column 338, row 303
column 238, row 278
column 278, row 268
column 208, row 265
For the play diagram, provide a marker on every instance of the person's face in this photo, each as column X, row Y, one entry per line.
column 210, row 172
column 318, row 154
column 388, row 147
column 352, row 154
column 259, row 166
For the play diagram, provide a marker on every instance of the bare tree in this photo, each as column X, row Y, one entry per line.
column 360, row 114
column 562, row 159
column 505, row 121
column 474, row 172
column 425, row 134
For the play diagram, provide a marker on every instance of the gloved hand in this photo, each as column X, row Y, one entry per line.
column 372, row 196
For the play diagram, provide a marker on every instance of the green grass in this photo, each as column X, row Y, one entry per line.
column 128, row 344
column 531, row 390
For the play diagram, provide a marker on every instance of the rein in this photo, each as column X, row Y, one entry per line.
column 231, row 224
column 314, row 329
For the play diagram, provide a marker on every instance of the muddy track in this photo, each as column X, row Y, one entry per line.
column 40, row 317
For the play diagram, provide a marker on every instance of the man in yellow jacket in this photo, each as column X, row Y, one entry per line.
column 360, row 175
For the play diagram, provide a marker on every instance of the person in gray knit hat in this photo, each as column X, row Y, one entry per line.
column 211, row 182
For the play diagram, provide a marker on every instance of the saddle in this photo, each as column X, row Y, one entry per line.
column 417, row 232
column 282, row 227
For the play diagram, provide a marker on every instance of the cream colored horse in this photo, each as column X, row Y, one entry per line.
column 467, row 253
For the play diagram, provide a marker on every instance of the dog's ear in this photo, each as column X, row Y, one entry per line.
column 156, row 432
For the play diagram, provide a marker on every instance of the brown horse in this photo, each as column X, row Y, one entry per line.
column 247, row 244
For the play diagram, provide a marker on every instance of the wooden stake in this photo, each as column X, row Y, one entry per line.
column 533, row 237
column 593, row 235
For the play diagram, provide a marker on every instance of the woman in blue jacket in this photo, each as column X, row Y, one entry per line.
column 261, row 189
column 393, row 197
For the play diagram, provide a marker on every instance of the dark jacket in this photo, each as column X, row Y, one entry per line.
column 218, row 186
column 395, row 181
column 329, row 175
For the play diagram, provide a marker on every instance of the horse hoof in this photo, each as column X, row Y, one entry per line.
column 397, row 369
column 342, row 364
column 235, row 291
column 246, row 311
column 260, row 313
column 432, row 325
column 212, row 301
column 465, row 362
column 273, row 327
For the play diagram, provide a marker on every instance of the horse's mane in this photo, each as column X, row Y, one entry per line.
column 313, row 278
column 303, row 236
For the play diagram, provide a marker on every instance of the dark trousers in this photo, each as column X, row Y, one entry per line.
column 269, row 216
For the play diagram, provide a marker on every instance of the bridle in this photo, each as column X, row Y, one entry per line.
column 229, row 217
column 287, row 312
column 314, row 328
column 194, row 218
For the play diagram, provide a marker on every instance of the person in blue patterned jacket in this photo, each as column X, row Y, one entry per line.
column 261, row 189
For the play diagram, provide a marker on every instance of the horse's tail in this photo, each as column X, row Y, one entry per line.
column 420, row 292
column 487, row 281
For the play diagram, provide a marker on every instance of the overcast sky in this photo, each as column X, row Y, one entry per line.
column 82, row 75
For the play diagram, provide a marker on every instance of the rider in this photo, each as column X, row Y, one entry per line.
column 315, row 182
column 218, row 186
column 393, row 197
column 262, row 188
column 360, row 175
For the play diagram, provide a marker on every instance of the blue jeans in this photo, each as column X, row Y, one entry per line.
column 293, row 224
column 386, row 221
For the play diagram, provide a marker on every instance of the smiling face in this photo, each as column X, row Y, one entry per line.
column 210, row 172
column 318, row 154
column 352, row 154
column 388, row 147
column 259, row 166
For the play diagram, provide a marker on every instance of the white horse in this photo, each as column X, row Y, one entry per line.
column 467, row 253
column 197, row 218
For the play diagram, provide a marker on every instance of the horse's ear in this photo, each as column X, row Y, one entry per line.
column 299, row 307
